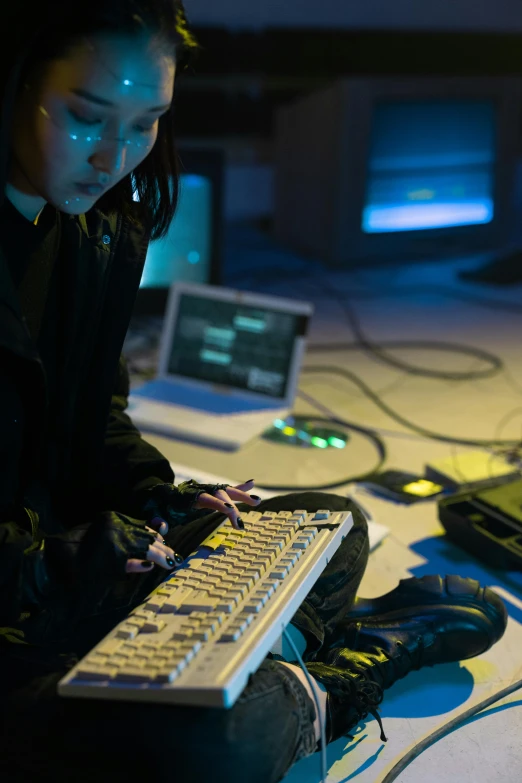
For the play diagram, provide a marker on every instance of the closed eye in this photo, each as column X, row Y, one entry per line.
column 86, row 121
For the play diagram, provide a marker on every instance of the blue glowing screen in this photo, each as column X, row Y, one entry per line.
column 185, row 253
column 431, row 165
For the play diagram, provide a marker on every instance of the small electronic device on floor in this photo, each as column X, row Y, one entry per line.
column 402, row 487
column 487, row 523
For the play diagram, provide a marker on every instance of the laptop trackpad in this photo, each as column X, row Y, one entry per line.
column 209, row 402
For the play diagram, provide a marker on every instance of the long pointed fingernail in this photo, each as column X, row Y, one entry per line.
column 240, row 523
column 146, row 564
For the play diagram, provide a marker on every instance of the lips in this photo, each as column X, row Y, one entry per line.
column 92, row 189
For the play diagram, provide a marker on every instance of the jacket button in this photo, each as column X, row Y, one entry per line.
column 106, row 239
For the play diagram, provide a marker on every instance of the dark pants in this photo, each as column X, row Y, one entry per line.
column 44, row 737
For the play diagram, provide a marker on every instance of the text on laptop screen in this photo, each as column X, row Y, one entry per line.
column 234, row 344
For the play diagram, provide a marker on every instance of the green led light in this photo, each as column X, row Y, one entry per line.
column 321, row 443
column 337, row 442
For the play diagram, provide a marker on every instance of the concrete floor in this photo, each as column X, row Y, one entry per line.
column 422, row 301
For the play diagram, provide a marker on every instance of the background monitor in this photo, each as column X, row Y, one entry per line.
column 399, row 168
column 192, row 250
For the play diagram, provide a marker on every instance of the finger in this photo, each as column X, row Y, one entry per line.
column 134, row 566
column 237, row 495
column 159, row 537
column 246, row 485
column 160, row 525
column 221, row 504
column 164, row 556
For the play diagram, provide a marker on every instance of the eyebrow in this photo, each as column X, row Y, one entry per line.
column 103, row 102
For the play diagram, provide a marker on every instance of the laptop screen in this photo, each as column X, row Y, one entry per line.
column 229, row 343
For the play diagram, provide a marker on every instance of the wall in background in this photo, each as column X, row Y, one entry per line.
column 499, row 15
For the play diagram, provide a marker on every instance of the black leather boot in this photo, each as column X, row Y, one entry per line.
column 426, row 595
column 465, row 621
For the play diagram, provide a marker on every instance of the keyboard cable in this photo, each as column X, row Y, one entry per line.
column 322, row 727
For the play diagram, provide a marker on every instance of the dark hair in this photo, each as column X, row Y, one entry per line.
column 156, row 179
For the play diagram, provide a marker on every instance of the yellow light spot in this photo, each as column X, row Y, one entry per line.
column 422, row 488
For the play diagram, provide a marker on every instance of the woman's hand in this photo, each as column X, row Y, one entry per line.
column 222, row 500
column 158, row 554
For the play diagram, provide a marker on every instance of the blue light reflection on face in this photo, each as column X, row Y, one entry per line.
column 431, row 165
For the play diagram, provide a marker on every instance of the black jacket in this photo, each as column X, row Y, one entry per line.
column 103, row 462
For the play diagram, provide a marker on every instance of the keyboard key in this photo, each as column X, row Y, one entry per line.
column 127, row 632
column 134, row 674
column 322, row 513
column 221, row 593
column 278, row 573
column 226, row 605
column 215, row 541
column 95, row 659
column 219, row 617
column 260, row 595
column 109, row 646
column 230, row 635
column 181, row 636
column 135, row 621
column 253, row 605
column 245, row 618
column 153, row 626
column 199, row 601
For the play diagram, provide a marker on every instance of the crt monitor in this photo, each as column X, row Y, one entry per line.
column 396, row 168
column 192, row 249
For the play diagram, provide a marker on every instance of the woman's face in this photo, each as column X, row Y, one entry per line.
column 88, row 118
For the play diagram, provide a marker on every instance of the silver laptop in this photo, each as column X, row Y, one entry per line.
column 228, row 367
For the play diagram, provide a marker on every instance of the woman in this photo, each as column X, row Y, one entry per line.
column 90, row 517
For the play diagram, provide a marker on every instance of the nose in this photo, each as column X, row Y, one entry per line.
column 110, row 157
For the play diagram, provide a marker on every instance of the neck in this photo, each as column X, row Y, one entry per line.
column 29, row 206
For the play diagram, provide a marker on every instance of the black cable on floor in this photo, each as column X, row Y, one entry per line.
column 351, row 376
column 496, row 364
column 446, row 729
column 376, row 351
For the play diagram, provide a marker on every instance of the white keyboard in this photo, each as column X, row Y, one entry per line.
column 209, row 625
